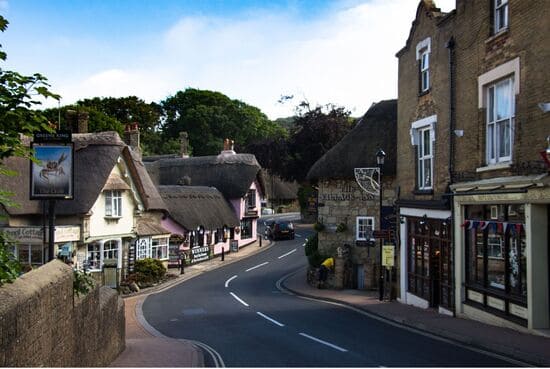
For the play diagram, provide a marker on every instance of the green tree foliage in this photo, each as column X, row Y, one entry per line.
column 132, row 109
column 209, row 117
column 97, row 120
column 312, row 133
column 19, row 94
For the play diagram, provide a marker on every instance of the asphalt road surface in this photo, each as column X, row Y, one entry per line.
column 238, row 312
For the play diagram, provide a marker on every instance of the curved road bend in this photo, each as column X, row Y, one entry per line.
column 238, row 311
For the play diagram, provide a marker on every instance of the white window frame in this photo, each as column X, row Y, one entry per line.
column 113, row 203
column 360, row 228
column 160, row 243
column 423, row 157
column 417, row 132
column 423, row 50
column 102, row 251
column 143, row 248
column 498, row 127
column 424, row 71
column 501, row 9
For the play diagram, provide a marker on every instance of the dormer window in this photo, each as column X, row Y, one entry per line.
column 500, row 15
column 423, row 50
column 113, row 203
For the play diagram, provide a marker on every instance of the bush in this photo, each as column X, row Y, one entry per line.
column 9, row 266
column 82, row 282
column 311, row 245
column 312, row 252
column 149, row 270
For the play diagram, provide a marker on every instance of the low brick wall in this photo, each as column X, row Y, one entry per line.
column 42, row 322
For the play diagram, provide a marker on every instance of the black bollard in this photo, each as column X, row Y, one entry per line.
column 182, row 263
column 223, row 253
column 260, row 241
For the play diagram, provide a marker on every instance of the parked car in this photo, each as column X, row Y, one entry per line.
column 280, row 229
column 267, row 211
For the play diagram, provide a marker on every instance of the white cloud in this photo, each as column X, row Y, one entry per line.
column 345, row 57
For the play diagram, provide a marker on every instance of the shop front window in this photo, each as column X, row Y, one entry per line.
column 159, row 248
column 496, row 251
column 246, row 229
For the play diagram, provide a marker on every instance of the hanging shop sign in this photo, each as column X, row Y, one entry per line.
column 388, row 255
column 200, row 254
column 52, row 175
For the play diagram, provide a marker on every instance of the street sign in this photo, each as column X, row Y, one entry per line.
column 388, row 254
column 384, row 233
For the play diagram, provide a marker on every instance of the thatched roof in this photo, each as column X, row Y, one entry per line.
column 193, row 206
column 376, row 129
column 231, row 174
column 149, row 193
column 278, row 189
column 95, row 156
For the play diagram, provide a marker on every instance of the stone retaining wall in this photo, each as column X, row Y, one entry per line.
column 42, row 322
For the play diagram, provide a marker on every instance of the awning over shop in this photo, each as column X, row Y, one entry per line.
column 149, row 228
column 501, row 185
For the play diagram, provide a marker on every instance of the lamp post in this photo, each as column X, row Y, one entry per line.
column 380, row 156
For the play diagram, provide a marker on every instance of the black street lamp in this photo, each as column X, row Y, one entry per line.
column 380, row 156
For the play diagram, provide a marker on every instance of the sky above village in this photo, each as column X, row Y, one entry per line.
column 340, row 52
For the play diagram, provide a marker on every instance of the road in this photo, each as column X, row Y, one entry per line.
column 238, row 312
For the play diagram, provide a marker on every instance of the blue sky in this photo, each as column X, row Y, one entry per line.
column 339, row 52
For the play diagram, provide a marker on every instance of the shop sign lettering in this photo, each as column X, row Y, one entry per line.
column 346, row 193
column 200, row 254
column 24, row 234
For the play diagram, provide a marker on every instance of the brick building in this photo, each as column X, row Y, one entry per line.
column 485, row 68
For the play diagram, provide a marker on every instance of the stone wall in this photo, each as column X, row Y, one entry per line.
column 42, row 322
column 342, row 201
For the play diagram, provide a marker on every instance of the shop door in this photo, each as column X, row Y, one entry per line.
column 360, row 276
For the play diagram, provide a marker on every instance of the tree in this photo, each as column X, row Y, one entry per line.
column 97, row 120
column 208, row 117
column 132, row 109
column 313, row 132
column 18, row 95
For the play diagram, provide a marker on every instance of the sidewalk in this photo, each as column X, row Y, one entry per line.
column 146, row 347
column 531, row 349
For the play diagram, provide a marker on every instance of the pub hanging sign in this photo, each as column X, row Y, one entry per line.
column 52, row 174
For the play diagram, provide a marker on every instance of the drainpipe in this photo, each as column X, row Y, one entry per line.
column 450, row 45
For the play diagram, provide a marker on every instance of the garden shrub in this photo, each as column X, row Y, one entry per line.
column 10, row 268
column 82, row 282
column 149, row 270
column 314, row 257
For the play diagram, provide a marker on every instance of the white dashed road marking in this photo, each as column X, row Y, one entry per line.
column 239, row 299
column 324, row 342
column 257, row 266
column 229, row 280
column 288, row 253
column 270, row 319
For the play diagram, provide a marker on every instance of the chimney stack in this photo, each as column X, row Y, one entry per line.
column 228, row 147
column 131, row 137
column 77, row 121
column 184, row 144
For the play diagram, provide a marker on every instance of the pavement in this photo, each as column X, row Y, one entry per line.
column 146, row 347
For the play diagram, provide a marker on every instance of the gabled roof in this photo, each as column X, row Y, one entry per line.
column 232, row 174
column 431, row 10
column 376, row 129
column 95, row 156
column 194, row 206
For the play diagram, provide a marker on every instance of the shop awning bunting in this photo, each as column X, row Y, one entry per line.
column 499, row 227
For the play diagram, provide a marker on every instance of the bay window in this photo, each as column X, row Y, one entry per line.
column 159, row 248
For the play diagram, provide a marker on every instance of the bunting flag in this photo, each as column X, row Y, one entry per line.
column 497, row 227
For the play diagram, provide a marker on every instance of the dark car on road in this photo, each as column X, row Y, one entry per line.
column 280, row 229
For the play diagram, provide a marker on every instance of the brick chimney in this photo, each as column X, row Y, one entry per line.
column 77, row 121
column 131, row 137
column 228, row 146
column 184, row 144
